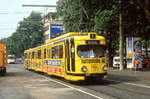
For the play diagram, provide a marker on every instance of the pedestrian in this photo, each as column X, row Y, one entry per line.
column 137, row 63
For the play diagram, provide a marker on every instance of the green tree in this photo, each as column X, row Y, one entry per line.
column 145, row 5
column 28, row 35
column 91, row 15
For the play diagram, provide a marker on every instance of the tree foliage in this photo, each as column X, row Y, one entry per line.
column 28, row 34
column 145, row 5
column 91, row 15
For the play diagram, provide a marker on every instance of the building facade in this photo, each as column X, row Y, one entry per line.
column 53, row 26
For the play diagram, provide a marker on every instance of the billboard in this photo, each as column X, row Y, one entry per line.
column 55, row 30
column 129, row 51
column 133, row 50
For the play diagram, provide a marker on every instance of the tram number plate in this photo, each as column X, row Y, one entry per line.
column 94, row 68
column 93, row 42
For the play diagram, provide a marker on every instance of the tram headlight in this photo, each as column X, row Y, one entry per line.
column 105, row 68
column 84, row 68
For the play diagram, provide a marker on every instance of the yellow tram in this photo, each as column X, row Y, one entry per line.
column 74, row 56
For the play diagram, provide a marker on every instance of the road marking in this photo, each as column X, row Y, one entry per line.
column 74, row 88
column 139, row 85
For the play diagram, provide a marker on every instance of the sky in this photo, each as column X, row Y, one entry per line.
column 11, row 12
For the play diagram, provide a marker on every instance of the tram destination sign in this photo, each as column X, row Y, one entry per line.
column 93, row 42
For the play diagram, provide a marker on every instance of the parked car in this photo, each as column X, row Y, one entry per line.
column 146, row 62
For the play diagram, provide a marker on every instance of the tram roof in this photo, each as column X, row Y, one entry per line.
column 70, row 34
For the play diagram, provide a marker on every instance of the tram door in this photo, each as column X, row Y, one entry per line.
column 70, row 56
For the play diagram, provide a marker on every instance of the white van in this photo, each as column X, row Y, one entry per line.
column 116, row 62
column 11, row 59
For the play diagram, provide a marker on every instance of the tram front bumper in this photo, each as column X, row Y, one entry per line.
column 77, row 77
column 97, row 75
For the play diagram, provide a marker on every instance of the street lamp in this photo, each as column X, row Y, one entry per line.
column 33, row 5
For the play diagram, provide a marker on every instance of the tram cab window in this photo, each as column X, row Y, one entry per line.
column 91, row 51
column 57, row 52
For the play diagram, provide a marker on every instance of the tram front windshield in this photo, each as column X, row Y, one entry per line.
column 91, row 51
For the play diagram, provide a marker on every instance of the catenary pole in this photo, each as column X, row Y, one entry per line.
column 121, row 41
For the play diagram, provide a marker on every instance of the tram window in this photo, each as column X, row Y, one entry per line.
column 39, row 54
column 35, row 54
column 91, row 51
column 61, row 51
column 49, row 54
column 54, row 52
column 32, row 55
column 57, row 52
column 29, row 55
column 25, row 55
column 45, row 53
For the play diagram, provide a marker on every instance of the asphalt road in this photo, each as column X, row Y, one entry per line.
column 22, row 84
